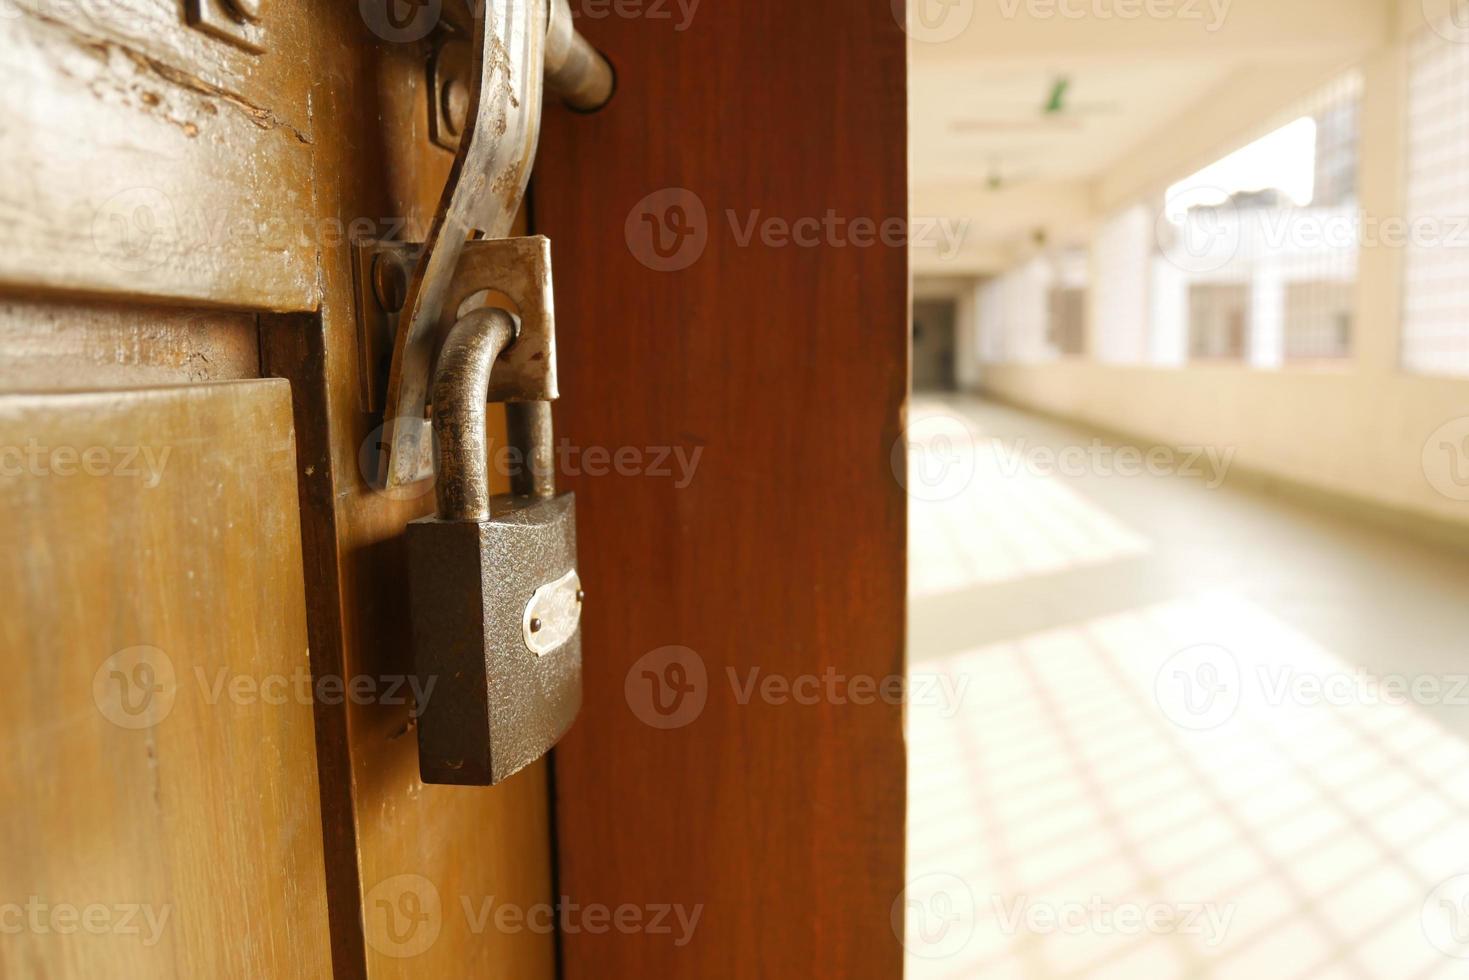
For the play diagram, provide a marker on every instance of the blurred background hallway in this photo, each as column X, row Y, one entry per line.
column 1167, row 722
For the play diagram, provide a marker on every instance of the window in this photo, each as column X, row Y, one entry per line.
column 1256, row 254
column 1035, row 312
column 1435, row 335
column 1067, row 332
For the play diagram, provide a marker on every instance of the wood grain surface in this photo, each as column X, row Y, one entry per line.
column 782, row 553
column 393, row 844
column 145, row 159
column 158, row 795
column 163, row 189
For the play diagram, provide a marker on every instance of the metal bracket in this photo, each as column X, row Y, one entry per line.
column 508, row 67
column 235, row 21
column 511, row 273
column 448, row 91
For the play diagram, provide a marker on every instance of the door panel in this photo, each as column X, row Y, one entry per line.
column 158, row 795
column 182, row 210
column 146, row 159
column 776, row 550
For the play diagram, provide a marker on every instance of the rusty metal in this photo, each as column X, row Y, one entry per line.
column 528, row 425
column 497, row 703
column 448, row 92
column 575, row 71
column 495, row 597
column 483, row 192
column 519, row 272
column 235, row 21
column 463, row 378
column 507, row 64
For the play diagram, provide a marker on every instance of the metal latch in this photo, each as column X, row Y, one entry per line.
column 516, row 47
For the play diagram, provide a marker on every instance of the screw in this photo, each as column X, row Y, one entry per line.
column 245, row 10
column 389, row 284
column 580, row 595
column 455, row 99
column 535, row 625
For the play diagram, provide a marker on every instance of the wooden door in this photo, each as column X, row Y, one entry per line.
column 737, row 350
column 181, row 196
column 177, row 276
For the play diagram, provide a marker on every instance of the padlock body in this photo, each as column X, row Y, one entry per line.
column 502, row 694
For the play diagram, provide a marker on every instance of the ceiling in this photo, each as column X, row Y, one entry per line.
column 1017, row 120
column 969, row 123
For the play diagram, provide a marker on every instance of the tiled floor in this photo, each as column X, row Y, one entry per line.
column 1165, row 728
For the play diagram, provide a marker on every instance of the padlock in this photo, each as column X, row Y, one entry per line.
column 495, row 596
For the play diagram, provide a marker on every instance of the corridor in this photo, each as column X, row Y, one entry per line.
column 1165, row 723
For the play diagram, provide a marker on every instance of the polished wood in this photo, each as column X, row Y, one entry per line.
column 472, row 846
column 787, row 367
column 181, row 211
column 145, row 159
column 70, row 345
column 196, row 804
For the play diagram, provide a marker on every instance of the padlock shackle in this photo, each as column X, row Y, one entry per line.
column 528, row 425
column 461, row 385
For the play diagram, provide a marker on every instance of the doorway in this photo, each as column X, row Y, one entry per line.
column 933, row 345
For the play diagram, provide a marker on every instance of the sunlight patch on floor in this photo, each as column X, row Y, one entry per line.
column 1151, row 772
column 982, row 514
column 1087, row 777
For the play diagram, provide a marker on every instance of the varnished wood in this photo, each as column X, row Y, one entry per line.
column 472, row 845
column 208, row 813
column 71, row 345
column 270, row 164
column 147, row 160
column 787, row 367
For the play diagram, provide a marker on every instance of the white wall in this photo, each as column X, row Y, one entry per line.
column 1359, row 429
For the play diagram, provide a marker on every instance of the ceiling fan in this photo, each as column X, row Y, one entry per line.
column 1057, row 111
column 999, row 177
